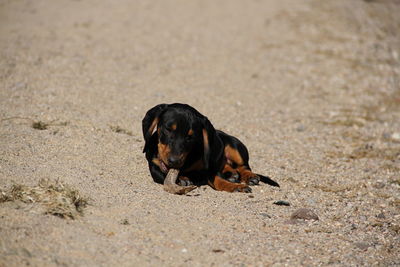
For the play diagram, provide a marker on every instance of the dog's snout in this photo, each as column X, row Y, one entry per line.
column 174, row 161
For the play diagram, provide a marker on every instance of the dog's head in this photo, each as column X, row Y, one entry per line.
column 180, row 130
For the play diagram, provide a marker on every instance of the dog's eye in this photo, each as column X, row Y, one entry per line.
column 171, row 128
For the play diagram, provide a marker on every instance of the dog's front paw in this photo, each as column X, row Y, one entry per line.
column 248, row 177
column 184, row 181
column 232, row 177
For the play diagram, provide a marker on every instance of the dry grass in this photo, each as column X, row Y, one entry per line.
column 38, row 125
column 57, row 198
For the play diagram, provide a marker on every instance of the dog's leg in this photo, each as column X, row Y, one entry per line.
column 247, row 176
column 220, row 184
column 238, row 158
column 184, row 181
column 230, row 174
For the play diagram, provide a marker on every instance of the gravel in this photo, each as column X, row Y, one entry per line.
column 311, row 87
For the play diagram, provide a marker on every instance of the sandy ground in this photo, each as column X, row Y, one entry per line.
column 311, row 87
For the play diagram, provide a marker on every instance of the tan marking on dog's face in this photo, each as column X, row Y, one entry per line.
column 163, row 152
column 190, row 132
column 173, row 127
column 156, row 161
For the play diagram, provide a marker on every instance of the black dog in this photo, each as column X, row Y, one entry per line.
column 178, row 136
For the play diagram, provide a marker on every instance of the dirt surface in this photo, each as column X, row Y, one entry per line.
column 311, row 87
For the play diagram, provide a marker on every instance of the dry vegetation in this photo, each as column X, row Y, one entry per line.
column 57, row 198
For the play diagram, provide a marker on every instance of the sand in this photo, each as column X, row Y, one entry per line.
column 311, row 87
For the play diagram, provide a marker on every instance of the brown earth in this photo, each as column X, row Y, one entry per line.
column 311, row 87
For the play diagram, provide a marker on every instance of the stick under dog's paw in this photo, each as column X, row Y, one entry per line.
column 170, row 184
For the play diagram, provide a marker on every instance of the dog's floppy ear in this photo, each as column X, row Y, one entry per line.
column 209, row 136
column 150, row 121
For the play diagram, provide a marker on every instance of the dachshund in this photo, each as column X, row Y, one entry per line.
column 178, row 136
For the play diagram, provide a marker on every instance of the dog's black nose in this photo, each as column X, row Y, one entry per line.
column 173, row 161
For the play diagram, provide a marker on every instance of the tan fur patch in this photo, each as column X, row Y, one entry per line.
column 205, row 140
column 228, row 168
column 221, row 184
column 233, row 155
column 156, row 161
column 163, row 152
column 245, row 174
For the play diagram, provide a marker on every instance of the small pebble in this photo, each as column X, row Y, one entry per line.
column 282, row 203
column 304, row 214
column 381, row 216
